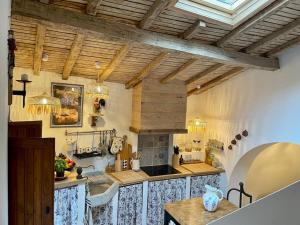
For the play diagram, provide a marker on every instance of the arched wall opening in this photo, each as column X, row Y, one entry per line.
column 267, row 168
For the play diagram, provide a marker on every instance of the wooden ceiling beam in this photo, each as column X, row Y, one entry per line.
column 178, row 71
column 285, row 29
column 276, row 5
column 73, row 56
column 157, row 7
column 216, row 81
column 39, row 47
column 55, row 16
column 192, row 30
column 120, row 55
column 279, row 49
column 204, row 73
column 45, row 1
column 148, row 69
column 92, row 6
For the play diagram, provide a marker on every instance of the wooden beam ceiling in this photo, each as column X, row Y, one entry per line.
column 114, row 63
column 178, row 71
column 212, row 83
column 276, row 5
column 73, row 55
column 147, row 70
column 92, row 6
column 192, row 30
column 39, row 47
column 45, row 1
column 124, row 33
column 157, row 7
column 204, row 73
column 273, row 36
column 287, row 45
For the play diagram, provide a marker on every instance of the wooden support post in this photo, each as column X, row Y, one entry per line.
column 147, row 70
column 276, row 5
column 212, row 83
column 39, row 47
column 157, row 7
column 73, row 55
column 92, row 6
column 192, row 30
column 114, row 63
column 204, row 73
column 179, row 71
column 287, row 28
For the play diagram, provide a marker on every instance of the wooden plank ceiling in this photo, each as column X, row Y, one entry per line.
column 73, row 52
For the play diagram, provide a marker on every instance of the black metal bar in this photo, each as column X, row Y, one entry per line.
column 242, row 192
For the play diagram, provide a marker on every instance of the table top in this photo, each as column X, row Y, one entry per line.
column 192, row 211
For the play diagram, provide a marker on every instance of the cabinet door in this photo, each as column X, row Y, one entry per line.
column 198, row 184
column 66, row 206
column 31, row 181
column 102, row 215
column 130, row 205
column 160, row 193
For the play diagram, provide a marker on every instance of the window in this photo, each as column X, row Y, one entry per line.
column 230, row 12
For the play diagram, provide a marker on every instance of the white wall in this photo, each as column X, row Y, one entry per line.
column 117, row 113
column 267, row 104
column 4, row 26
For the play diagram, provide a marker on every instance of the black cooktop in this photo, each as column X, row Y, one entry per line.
column 159, row 170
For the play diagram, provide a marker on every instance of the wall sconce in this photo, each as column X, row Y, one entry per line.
column 196, row 125
column 24, row 80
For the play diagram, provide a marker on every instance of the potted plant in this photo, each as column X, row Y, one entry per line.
column 60, row 166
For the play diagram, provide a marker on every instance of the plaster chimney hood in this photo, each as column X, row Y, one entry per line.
column 159, row 108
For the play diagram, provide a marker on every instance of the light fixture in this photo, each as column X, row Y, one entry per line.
column 198, row 86
column 43, row 104
column 45, row 57
column 196, row 125
column 99, row 90
column 98, row 64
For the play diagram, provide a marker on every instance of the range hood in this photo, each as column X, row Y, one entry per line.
column 159, row 108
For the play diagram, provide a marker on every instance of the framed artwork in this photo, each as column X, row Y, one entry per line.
column 71, row 98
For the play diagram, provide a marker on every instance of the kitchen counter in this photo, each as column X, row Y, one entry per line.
column 192, row 212
column 69, row 182
column 130, row 177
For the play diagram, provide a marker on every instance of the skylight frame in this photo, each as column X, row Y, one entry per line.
column 205, row 9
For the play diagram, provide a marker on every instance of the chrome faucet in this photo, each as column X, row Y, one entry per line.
column 79, row 171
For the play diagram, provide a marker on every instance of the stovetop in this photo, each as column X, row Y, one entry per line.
column 159, row 170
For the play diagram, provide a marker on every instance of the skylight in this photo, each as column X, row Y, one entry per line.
column 231, row 12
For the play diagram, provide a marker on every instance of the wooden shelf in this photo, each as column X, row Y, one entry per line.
column 158, row 131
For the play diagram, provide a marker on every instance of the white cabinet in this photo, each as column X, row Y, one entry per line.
column 160, row 193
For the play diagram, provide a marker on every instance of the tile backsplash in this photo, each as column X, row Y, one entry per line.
column 154, row 149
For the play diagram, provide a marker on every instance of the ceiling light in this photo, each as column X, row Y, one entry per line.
column 198, row 86
column 43, row 104
column 45, row 57
column 98, row 65
column 99, row 90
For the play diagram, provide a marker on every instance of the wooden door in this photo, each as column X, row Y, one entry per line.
column 31, row 181
column 25, row 129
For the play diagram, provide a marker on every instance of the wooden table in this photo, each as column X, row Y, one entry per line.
column 192, row 212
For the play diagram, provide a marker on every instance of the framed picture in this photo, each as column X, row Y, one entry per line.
column 71, row 98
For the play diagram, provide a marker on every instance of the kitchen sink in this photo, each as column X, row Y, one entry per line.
column 100, row 188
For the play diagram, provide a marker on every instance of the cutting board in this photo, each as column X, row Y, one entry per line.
column 126, row 153
column 199, row 167
column 130, row 176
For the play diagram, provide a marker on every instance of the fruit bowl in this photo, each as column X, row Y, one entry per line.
column 70, row 164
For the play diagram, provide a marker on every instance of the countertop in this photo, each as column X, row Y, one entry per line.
column 69, row 182
column 129, row 177
column 192, row 212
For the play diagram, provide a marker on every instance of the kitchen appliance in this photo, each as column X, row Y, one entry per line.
column 159, row 170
